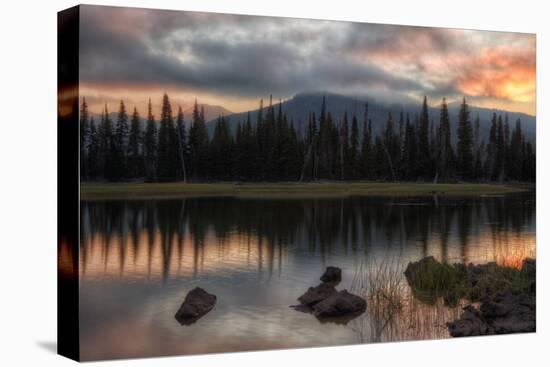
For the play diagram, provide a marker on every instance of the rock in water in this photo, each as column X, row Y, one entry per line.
column 197, row 303
column 340, row 304
column 506, row 313
column 332, row 275
column 510, row 313
column 471, row 323
column 317, row 294
column 529, row 267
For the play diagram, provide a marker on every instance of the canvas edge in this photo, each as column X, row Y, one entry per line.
column 68, row 184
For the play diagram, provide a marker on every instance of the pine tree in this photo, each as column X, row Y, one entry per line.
column 247, row 157
column 176, row 167
column 107, row 147
column 120, row 144
column 268, row 156
column 328, row 149
column 221, row 150
column 506, row 147
column 310, row 160
column 478, row 151
column 445, row 148
column 516, row 158
column 343, row 152
column 499, row 154
column 424, row 154
column 182, row 143
column 353, row 156
column 409, row 151
column 294, row 154
column 279, row 156
column 167, row 144
column 491, row 162
column 198, row 144
column 366, row 146
column 135, row 160
column 150, row 145
column 390, row 148
column 465, row 141
column 530, row 163
column 380, row 159
column 93, row 151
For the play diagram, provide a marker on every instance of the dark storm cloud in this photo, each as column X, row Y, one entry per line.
column 241, row 55
column 398, row 39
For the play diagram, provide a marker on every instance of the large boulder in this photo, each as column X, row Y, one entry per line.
column 332, row 275
column 470, row 323
column 340, row 304
column 510, row 313
column 505, row 313
column 197, row 303
column 317, row 294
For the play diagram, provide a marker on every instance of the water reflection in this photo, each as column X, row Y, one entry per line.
column 138, row 258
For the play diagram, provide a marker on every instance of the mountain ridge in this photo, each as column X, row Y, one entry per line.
column 298, row 107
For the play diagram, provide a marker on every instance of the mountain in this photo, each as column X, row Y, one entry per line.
column 211, row 112
column 298, row 108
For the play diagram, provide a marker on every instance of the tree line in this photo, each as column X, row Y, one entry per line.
column 272, row 149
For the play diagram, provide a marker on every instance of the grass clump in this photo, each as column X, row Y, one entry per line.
column 429, row 280
column 381, row 282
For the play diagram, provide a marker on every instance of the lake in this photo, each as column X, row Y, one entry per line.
column 139, row 258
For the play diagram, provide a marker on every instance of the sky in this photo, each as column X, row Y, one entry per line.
column 234, row 60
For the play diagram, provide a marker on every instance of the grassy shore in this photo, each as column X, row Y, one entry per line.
column 91, row 191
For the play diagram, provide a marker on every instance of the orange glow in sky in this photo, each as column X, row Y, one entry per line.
column 234, row 60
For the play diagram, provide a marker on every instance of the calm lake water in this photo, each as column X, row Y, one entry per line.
column 139, row 258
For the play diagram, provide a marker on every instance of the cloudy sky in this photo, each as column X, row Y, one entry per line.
column 234, row 60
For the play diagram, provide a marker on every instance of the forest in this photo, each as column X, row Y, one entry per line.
column 272, row 149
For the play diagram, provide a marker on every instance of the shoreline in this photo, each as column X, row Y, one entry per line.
column 135, row 190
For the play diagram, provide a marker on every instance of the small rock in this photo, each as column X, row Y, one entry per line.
column 492, row 310
column 340, row 304
column 197, row 303
column 317, row 294
column 332, row 275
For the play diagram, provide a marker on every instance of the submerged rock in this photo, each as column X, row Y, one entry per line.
column 332, row 275
column 340, row 304
column 197, row 303
column 317, row 294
